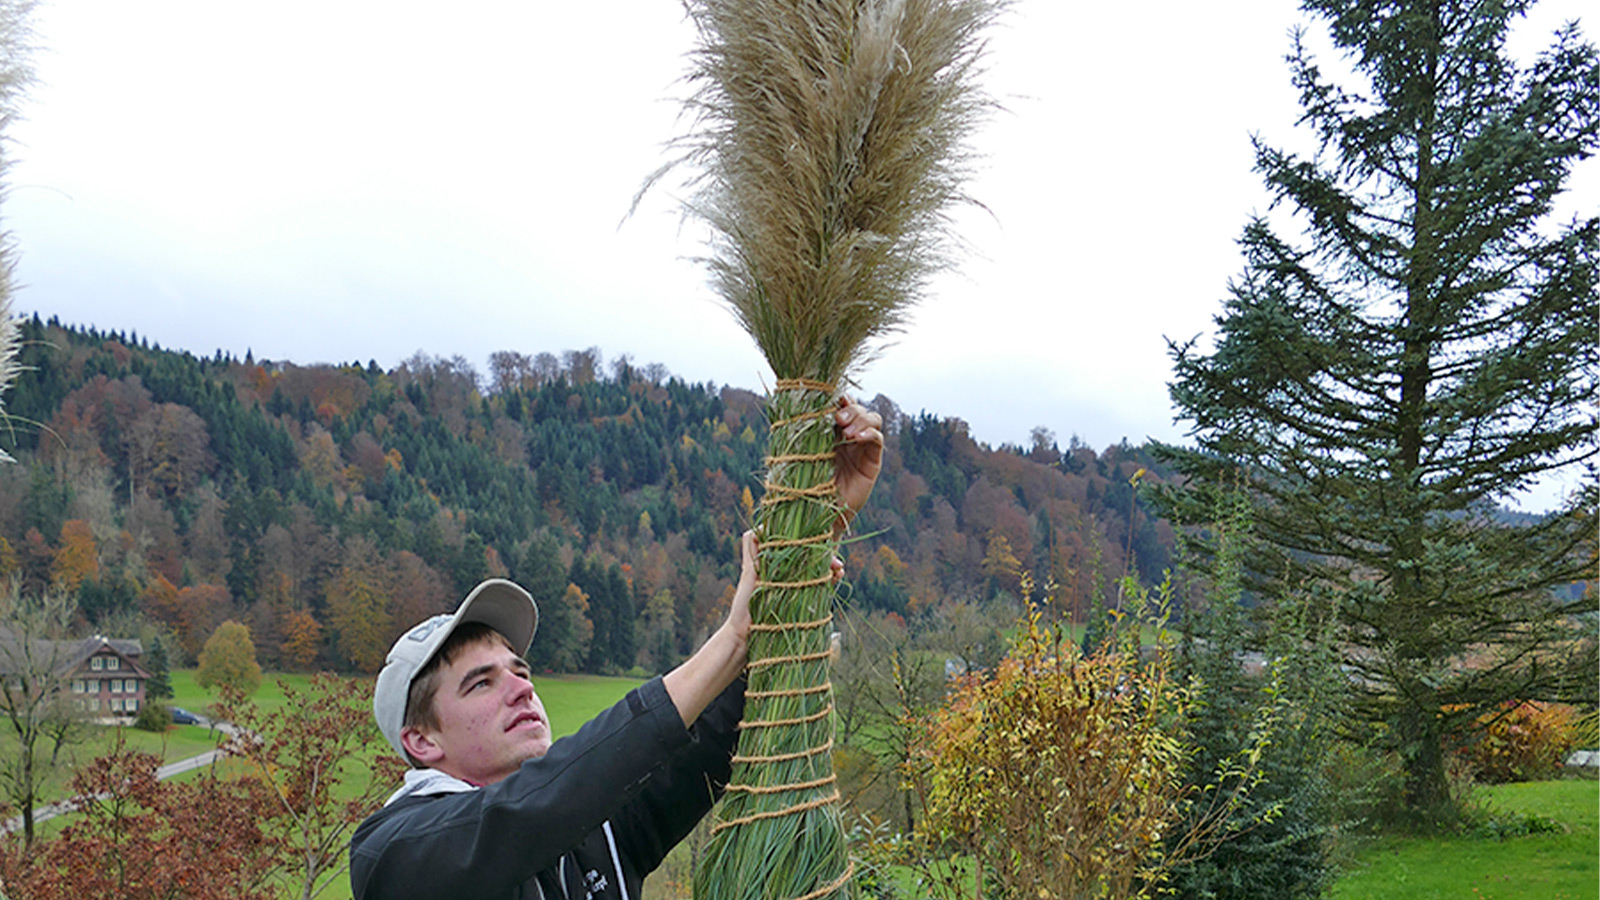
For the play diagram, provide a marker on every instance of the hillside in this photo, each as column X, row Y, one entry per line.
column 330, row 506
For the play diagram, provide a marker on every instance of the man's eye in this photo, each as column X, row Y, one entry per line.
column 478, row 684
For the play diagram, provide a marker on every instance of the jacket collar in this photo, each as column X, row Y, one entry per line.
column 424, row 782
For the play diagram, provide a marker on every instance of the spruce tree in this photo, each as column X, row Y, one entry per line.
column 159, row 685
column 1423, row 354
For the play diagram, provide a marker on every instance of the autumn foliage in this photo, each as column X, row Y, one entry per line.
column 1522, row 741
column 1060, row 774
column 312, row 763
column 229, row 660
column 276, row 822
column 142, row 839
column 330, row 507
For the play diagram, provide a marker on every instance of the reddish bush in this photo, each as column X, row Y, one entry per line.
column 1522, row 741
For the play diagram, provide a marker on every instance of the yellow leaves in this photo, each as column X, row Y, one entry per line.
column 1058, row 766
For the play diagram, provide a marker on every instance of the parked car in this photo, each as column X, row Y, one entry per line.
column 181, row 716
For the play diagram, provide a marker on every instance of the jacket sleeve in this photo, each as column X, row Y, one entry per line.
column 680, row 794
column 484, row 843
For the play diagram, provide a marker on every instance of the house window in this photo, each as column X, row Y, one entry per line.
column 92, row 686
column 131, row 704
column 94, row 704
column 97, row 663
column 113, row 663
column 77, row 686
column 116, row 705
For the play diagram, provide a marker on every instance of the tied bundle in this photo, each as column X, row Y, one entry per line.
column 829, row 146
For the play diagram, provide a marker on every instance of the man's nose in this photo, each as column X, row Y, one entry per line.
column 519, row 689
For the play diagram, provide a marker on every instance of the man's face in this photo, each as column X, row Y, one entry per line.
column 490, row 718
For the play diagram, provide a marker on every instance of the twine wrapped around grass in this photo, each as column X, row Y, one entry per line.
column 828, row 143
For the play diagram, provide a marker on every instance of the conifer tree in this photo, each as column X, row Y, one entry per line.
column 1425, row 353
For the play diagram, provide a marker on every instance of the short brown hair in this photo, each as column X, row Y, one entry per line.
column 419, row 699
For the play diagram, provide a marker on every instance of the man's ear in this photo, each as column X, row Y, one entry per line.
column 420, row 745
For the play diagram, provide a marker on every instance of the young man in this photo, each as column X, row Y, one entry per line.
column 494, row 809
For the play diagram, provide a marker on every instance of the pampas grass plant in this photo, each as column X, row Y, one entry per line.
column 15, row 75
column 829, row 146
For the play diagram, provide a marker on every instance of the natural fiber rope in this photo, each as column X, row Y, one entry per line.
column 831, row 886
column 823, row 413
column 818, row 538
column 797, row 692
column 778, row 813
column 789, row 626
column 807, row 384
column 810, row 582
column 779, row 660
column 798, row 457
column 786, row 757
column 780, row 788
column 802, row 720
column 782, row 493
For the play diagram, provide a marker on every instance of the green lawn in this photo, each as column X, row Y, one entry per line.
column 1533, row 867
column 178, row 742
column 196, row 699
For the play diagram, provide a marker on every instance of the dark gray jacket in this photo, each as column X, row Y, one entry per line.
column 587, row 821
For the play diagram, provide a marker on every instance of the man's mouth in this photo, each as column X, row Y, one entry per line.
column 524, row 720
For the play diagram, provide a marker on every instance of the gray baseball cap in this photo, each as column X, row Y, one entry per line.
column 497, row 603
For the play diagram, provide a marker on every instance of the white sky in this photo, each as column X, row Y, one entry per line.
column 330, row 180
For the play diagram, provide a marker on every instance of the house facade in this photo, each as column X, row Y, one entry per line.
column 106, row 679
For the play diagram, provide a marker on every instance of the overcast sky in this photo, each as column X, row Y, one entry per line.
column 336, row 181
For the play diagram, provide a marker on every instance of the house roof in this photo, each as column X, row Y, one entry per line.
column 64, row 656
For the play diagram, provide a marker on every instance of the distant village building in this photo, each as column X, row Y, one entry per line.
column 107, row 680
column 103, row 675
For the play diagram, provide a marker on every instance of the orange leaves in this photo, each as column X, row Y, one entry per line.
column 137, row 837
column 301, row 635
column 76, row 560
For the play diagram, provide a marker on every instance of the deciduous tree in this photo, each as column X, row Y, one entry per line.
column 75, row 557
column 229, row 660
column 317, row 761
column 358, row 604
column 35, row 668
column 1428, row 351
column 138, row 838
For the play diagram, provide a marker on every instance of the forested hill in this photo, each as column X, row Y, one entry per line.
column 328, row 507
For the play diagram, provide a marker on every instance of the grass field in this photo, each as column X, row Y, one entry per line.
column 1560, row 866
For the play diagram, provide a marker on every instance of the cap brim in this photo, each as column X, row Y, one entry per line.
column 505, row 607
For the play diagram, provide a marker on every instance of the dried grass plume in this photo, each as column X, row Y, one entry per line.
column 16, row 74
column 829, row 145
